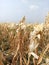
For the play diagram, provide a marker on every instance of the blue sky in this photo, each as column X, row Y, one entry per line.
column 14, row 10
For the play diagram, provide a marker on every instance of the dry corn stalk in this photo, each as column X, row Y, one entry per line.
column 18, row 38
column 42, row 54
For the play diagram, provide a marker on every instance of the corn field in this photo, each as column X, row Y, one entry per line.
column 24, row 44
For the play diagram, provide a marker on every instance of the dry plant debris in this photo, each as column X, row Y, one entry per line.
column 24, row 44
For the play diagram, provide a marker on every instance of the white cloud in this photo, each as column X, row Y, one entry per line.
column 33, row 7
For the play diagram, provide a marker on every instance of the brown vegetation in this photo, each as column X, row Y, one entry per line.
column 24, row 44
